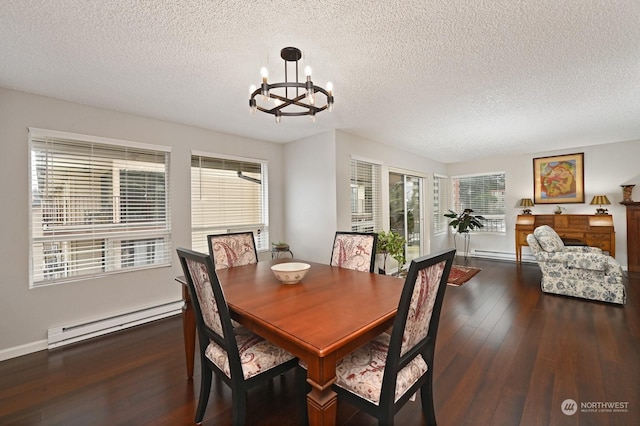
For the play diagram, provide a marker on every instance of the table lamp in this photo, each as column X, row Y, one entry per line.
column 526, row 203
column 600, row 200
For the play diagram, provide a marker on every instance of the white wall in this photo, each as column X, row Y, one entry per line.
column 606, row 167
column 349, row 146
column 309, row 183
column 25, row 315
column 318, row 182
column 310, row 198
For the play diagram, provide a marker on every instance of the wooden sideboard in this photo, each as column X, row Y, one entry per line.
column 594, row 230
column 633, row 235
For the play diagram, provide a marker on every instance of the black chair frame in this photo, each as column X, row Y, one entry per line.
column 239, row 386
column 230, row 234
column 387, row 408
column 375, row 245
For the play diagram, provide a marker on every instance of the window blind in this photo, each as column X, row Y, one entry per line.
column 484, row 194
column 97, row 206
column 228, row 195
column 366, row 196
column 439, row 204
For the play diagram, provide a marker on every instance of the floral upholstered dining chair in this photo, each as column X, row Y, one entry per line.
column 238, row 357
column 354, row 250
column 232, row 249
column 381, row 376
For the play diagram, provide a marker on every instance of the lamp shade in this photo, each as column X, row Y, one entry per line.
column 600, row 200
column 527, row 202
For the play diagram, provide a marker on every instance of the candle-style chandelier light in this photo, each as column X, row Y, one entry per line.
column 291, row 98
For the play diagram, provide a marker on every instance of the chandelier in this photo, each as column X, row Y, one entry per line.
column 291, row 98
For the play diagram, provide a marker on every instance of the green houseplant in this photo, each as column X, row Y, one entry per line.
column 463, row 223
column 279, row 245
column 391, row 244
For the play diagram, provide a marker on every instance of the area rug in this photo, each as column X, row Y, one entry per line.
column 461, row 274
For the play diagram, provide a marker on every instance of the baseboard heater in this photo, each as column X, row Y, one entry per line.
column 501, row 255
column 65, row 335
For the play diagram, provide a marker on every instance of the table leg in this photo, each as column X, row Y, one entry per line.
column 189, row 331
column 322, row 401
column 322, row 407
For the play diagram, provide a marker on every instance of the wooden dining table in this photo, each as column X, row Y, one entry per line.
column 330, row 313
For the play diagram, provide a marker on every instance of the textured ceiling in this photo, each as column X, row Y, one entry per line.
column 452, row 80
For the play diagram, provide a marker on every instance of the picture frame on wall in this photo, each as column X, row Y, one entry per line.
column 559, row 179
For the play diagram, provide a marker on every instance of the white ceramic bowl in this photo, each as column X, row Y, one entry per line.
column 290, row 272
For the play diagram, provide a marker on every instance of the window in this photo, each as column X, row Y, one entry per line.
column 405, row 211
column 485, row 195
column 440, row 222
column 228, row 195
column 97, row 206
column 366, row 210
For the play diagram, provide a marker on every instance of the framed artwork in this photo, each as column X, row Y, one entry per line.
column 559, row 179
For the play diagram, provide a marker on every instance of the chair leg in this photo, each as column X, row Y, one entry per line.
column 426, row 398
column 387, row 419
column 239, row 407
column 205, row 389
column 301, row 388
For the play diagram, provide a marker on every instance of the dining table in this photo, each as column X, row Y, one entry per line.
column 321, row 319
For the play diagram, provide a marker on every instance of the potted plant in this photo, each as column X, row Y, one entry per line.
column 279, row 245
column 391, row 244
column 463, row 223
column 279, row 248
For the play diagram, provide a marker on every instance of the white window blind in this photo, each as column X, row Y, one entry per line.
column 440, row 222
column 97, row 206
column 228, row 195
column 366, row 196
column 484, row 194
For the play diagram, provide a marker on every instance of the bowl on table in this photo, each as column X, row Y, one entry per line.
column 290, row 272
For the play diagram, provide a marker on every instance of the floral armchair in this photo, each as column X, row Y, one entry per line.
column 576, row 271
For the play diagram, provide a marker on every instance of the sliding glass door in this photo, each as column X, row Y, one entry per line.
column 405, row 211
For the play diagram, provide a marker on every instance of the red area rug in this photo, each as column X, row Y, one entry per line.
column 461, row 274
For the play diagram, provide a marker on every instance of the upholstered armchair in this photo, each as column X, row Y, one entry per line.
column 576, row 271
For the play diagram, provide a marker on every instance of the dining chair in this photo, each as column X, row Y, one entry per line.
column 354, row 250
column 381, row 376
column 232, row 249
column 240, row 358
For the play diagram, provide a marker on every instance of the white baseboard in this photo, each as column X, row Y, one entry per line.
column 72, row 333
column 501, row 255
column 26, row 349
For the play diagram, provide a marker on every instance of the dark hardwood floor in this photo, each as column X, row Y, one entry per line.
column 507, row 354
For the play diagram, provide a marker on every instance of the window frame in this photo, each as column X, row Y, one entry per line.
column 498, row 219
column 374, row 201
column 106, row 236
column 260, row 229
column 440, row 203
